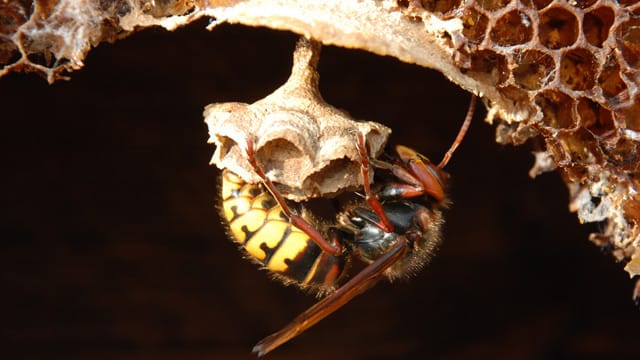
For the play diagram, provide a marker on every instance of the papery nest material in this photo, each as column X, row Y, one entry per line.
column 304, row 145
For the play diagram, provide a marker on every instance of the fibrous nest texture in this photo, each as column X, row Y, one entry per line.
column 562, row 71
column 304, row 145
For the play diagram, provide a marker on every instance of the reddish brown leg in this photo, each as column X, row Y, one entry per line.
column 325, row 307
column 416, row 179
column 371, row 199
column 295, row 219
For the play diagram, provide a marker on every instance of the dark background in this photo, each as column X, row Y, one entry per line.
column 111, row 247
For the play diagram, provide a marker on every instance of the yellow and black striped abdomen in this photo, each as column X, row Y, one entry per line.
column 256, row 221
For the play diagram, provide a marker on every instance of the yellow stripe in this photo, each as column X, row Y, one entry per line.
column 252, row 220
column 269, row 235
column 264, row 199
column 276, row 213
column 293, row 245
column 242, row 205
column 248, row 190
column 313, row 270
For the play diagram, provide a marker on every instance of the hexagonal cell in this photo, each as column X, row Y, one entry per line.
column 623, row 153
column 578, row 69
column 492, row 5
column 557, row 28
column 41, row 47
column 9, row 52
column 628, row 38
column 533, row 69
column 582, row 4
column 474, row 25
column 514, row 93
column 12, row 16
column 594, row 117
column 596, row 25
column 557, row 109
column 581, row 146
column 45, row 58
column 609, row 80
column 512, row 28
column 631, row 115
column 441, row 6
column 488, row 66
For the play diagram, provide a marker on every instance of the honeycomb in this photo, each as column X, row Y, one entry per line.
column 577, row 62
column 564, row 72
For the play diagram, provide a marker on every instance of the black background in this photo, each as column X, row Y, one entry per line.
column 111, row 247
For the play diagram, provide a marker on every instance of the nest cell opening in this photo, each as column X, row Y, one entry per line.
column 558, row 28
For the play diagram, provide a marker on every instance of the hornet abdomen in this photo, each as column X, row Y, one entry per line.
column 256, row 221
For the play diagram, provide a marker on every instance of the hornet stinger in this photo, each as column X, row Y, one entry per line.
column 394, row 228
